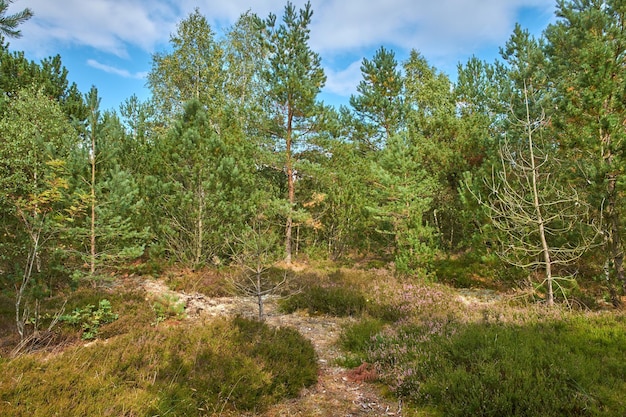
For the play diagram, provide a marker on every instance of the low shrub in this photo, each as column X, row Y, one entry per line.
column 572, row 367
column 474, row 270
column 334, row 301
column 291, row 358
column 206, row 281
column 388, row 313
column 356, row 339
column 90, row 318
column 167, row 306
column 197, row 370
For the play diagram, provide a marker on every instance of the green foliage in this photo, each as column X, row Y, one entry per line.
column 204, row 369
column 475, row 270
column 283, row 351
column 168, row 306
column 592, row 35
column 191, row 70
column 334, row 301
column 90, row 319
column 568, row 367
column 379, row 105
column 358, row 338
column 403, row 192
column 9, row 23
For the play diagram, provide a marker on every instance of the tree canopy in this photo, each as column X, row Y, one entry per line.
column 420, row 166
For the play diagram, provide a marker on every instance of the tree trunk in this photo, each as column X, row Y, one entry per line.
column 199, row 226
column 540, row 221
column 614, row 243
column 92, row 231
column 614, row 249
column 290, row 187
column 259, row 292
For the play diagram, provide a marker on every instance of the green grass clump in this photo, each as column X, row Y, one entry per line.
column 178, row 371
column 571, row 367
column 356, row 339
column 334, row 301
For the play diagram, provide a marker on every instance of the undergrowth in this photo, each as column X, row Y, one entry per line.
column 334, row 301
column 569, row 367
column 195, row 370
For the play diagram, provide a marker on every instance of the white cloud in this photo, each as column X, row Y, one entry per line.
column 444, row 31
column 439, row 27
column 114, row 70
column 343, row 82
column 107, row 25
column 433, row 27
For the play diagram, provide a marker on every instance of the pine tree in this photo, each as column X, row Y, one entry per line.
column 9, row 23
column 586, row 50
column 295, row 77
column 379, row 103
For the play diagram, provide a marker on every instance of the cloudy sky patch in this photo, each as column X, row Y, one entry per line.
column 118, row 37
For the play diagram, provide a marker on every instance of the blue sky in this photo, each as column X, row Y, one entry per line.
column 109, row 43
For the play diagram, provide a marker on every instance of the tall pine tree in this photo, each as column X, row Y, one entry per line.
column 295, row 77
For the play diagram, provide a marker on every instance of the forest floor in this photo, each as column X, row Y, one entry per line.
column 338, row 392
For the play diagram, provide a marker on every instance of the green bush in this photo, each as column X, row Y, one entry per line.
column 178, row 371
column 291, row 358
column 90, row 319
column 472, row 270
column 167, row 306
column 386, row 312
column 356, row 339
column 573, row 367
column 334, row 301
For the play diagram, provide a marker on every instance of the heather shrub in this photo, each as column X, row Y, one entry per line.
column 334, row 301
column 471, row 270
column 569, row 367
column 356, row 339
column 195, row 370
column 291, row 358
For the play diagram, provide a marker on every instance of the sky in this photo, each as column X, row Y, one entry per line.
column 110, row 43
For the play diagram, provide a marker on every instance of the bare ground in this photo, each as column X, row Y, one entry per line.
column 338, row 392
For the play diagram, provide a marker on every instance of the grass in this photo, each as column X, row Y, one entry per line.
column 440, row 354
column 177, row 371
column 572, row 366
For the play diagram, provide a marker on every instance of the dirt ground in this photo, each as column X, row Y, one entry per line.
column 339, row 391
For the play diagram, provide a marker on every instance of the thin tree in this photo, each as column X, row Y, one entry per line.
column 543, row 225
column 9, row 23
column 93, row 103
column 254, row 253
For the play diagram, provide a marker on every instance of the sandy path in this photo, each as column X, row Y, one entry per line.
column 337, row 393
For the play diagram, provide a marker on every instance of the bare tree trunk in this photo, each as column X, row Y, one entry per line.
column 614, row 243
column 614, row 249
column 21, row 313
column 290, row 187
column 92, row 231
column 259, row 294
column 200, row 227
column 540, row 221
